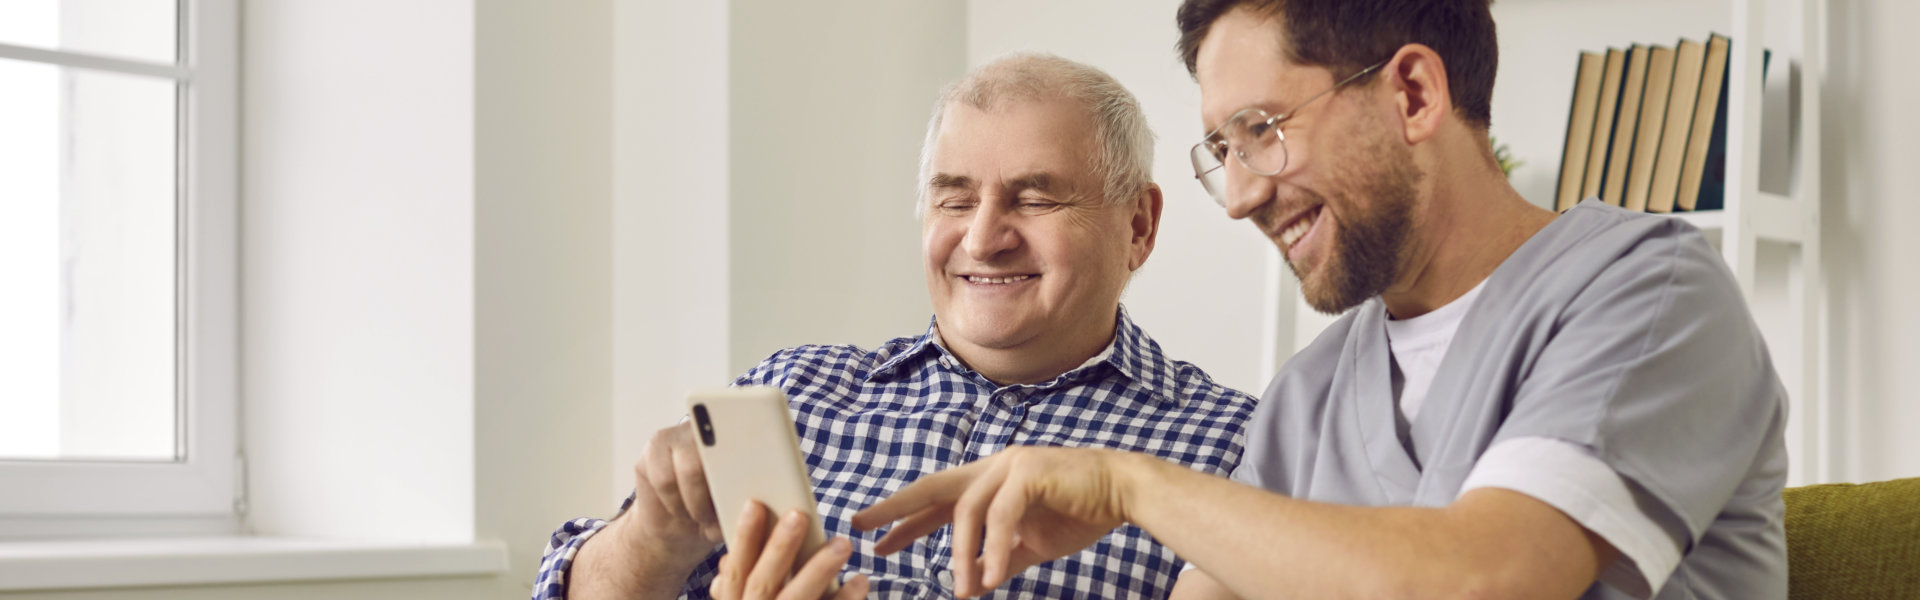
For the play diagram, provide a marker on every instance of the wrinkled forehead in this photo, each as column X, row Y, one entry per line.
column 1051, row 137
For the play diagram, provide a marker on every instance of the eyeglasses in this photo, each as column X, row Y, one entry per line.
column 1254, row 138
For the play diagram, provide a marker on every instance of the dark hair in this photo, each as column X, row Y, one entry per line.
column 1346, row 36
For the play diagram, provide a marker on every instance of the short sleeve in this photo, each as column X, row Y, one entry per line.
column 1570, row 478
column 1657, row 366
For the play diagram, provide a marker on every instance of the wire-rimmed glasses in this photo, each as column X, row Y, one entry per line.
column 1254, row 138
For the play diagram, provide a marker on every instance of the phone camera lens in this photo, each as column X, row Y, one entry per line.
column 703, row 423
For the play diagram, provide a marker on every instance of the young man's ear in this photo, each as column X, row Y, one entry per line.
column 1418, row 81
column 1145, row 225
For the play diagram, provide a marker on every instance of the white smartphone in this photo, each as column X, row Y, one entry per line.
column 749, row 450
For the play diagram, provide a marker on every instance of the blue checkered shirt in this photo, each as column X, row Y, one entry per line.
column 872, row 422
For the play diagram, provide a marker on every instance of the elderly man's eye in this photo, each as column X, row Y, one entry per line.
column 1037, row 203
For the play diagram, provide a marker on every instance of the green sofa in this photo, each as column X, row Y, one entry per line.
column 1854, row 540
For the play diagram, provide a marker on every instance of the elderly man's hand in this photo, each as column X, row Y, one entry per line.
column 1035, row 504
column 759, row 563
column 672, row 513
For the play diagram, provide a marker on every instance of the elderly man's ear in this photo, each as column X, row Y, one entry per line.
column 1146, row 225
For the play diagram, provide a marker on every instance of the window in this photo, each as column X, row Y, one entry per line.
column 117, row 246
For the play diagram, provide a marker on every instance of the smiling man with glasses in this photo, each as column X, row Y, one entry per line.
column 1515, row 404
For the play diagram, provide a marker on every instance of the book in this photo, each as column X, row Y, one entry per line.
column 1613, row 189
column 1707, row 144
column 1586, row 99
column 1604, row 122
column 1653, row 116
column 1690, row 59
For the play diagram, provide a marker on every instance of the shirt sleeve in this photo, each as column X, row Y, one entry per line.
column 550, row 583
column 1570, row 478
column 1656, row 365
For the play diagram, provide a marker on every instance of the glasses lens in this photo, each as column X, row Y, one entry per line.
column 1207, row 169
column 1256, row 141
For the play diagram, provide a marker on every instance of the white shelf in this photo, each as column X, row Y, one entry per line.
column 1706, row 220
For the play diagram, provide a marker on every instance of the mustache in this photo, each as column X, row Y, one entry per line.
column 1268, row 215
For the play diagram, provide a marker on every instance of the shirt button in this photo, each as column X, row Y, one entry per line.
column 946, row 579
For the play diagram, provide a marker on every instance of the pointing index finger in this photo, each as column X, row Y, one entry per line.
column 941, row 488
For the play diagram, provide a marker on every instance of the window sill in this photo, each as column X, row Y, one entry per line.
column 74, row 564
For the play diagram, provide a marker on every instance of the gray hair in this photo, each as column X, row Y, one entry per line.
column 1124, row 159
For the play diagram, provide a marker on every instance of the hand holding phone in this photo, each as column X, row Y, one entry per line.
column 761, row 565
column 750, row 452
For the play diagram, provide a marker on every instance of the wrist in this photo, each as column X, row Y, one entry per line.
column 1136, row 478
column 653, row 556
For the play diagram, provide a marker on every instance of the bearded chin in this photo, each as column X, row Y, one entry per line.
column 1370, row 247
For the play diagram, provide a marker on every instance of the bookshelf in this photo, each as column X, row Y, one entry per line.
column 1769, row 230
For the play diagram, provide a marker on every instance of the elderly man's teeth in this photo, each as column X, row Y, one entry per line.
column 979, row 279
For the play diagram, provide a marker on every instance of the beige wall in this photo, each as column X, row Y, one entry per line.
column 1868, row 222
column 828, row 104
column 542, row 270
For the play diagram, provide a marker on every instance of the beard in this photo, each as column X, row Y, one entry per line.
column 1370, row 244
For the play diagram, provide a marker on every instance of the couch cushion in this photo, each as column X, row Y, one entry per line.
column 1854, row 540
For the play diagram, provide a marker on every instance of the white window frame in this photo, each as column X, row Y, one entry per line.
column 204, row 492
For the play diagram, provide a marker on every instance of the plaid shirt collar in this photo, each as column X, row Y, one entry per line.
column 1132, row 353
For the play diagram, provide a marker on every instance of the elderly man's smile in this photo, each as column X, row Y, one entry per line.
column 998, row 280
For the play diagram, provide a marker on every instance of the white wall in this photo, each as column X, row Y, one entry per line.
column 1201, row 293
column 543, row 259
column 670, row 206
column 828, row 102
column 1867, row 223
column 357, row 270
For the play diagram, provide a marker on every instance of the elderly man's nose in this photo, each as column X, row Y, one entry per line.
column 990, row 234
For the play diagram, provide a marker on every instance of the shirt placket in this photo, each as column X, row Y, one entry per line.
column 1001, row 418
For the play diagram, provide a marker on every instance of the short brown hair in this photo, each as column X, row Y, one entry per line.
column 1346, row 36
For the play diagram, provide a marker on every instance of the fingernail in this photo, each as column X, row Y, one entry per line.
column 792, row 519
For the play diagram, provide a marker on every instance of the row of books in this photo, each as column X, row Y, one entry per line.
column 1648, row 127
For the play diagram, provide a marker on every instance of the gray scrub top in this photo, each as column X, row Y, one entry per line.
column 1620, row 331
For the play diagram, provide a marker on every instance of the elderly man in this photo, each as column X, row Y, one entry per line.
column 1036, row 207
column 1517, row 404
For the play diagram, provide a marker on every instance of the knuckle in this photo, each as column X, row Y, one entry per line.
column 677, row 436
column 760, row 587
column 691, row 473
column 667, row 486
